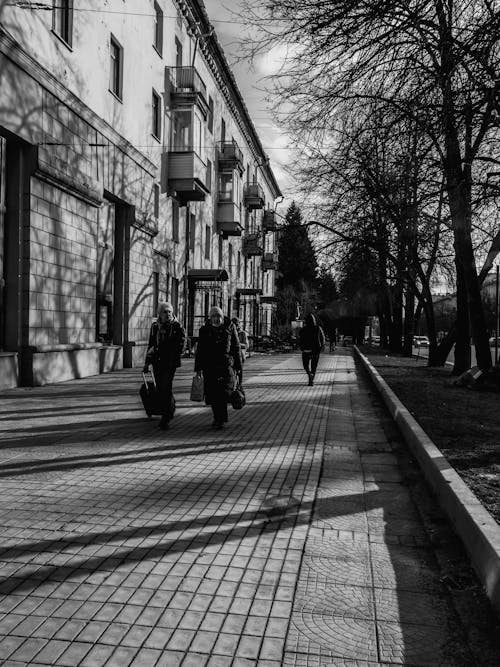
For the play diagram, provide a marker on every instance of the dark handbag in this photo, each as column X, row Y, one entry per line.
column 197, row 389
column 238, row 398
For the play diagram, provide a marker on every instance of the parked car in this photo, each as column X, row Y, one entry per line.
column 420, row 341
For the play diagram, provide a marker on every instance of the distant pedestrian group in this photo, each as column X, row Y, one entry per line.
column 221, row 350
column 218, row 360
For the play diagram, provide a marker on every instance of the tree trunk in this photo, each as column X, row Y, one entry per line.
column 409, row 322
column 462, row 345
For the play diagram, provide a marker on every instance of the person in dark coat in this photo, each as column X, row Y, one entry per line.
column 311, row 341
column 218, row 358
column 166, row 344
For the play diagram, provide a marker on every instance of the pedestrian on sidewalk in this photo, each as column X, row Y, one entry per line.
column 166, row 344
column 311, row 342
column 218, row 358
column 243, row 338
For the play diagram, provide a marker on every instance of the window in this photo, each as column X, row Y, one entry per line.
column 175, row 221
column 238, row 265
column 181, row 131
column 221, row 250
column 230, row 258
column 116, row 68
column 226, row 186
column 208, row 238
column 174, row 297
column 62, row 20
column 158, row 29
column 156, row 291
column 222, row 130
column 209, row 175
column 210, row 119
column 156, row 200
column 156, row 116
column 178, row 53
column 192, row 231
column 198, row 137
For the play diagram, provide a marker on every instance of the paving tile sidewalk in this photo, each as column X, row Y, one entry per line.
column 289, row 538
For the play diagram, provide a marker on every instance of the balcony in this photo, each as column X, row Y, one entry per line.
column 252, row 245
column 270, row 261
column 228, row 219
column 230, row 157
column 269, row 223
column 253, row 196
column 187, row 176
column 187, row 88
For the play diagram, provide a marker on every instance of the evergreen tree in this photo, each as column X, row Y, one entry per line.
column 327, row 287
column 297, row 260
column 297, row 268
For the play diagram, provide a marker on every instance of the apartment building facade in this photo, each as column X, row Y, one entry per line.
column 130, row 173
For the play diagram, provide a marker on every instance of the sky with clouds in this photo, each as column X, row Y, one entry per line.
column 249, row 78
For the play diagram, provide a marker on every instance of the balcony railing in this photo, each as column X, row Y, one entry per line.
column 269, row 223
column 186, row 80
column 230, row 156
column 270, row 261
column 252, row 245
column 253, row 196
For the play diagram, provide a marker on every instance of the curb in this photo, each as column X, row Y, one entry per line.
column 475, row 526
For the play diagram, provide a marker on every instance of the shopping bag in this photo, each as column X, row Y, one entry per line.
column 197, row 390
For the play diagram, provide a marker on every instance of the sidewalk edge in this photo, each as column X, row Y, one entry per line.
column 475, row 526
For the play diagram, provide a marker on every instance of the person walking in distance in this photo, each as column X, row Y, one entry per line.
column 218, row 358
column 166, row 344
column 311, row 342
column 243, row 338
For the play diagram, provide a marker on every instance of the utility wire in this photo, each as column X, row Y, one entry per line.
column 40, row 6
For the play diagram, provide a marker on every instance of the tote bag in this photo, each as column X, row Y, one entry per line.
column 197, row 389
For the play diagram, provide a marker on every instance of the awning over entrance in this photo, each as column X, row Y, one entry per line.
column 248, row 291
column 207, row 275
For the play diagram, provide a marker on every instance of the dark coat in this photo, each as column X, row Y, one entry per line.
column 218, row 354
column 166, row 344
column 311, row 336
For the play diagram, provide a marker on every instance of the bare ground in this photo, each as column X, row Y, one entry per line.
column 464, row 424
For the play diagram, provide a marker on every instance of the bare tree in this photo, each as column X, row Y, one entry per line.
column 436, row 63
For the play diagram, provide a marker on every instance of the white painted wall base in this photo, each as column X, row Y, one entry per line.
column 9, row 370
column 111, row 358
column 61, row 365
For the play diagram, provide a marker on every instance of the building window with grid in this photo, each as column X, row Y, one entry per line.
column 230, row 258
column 158, row 29
column 208, row 241
column 116, row 68
column 62, row 20
column 156, row 116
